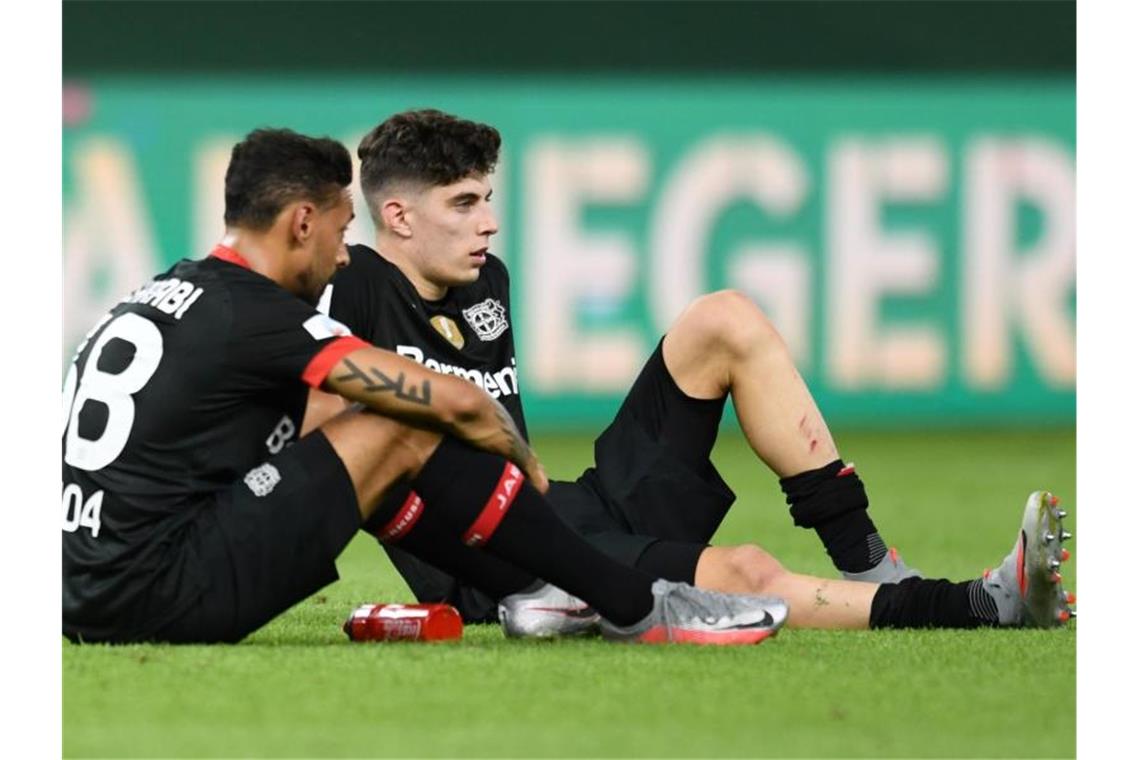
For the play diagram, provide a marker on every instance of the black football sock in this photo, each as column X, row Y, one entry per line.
column 433, row 544
column 833, row 501
column 924, row 603
column 486, row 500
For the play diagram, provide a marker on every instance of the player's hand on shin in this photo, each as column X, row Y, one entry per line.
column 536, row 474
column 502, row 437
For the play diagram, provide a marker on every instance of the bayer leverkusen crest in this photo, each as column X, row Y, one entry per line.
column 488, row 319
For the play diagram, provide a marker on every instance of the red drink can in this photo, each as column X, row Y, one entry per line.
column 404, row 622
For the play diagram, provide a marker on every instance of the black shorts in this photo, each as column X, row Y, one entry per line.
column 266, row 543
column 653, row 499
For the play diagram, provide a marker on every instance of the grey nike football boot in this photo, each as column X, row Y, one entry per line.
column 1027, row 585
column 545, row 611
column 891, row 569
column 684, row 614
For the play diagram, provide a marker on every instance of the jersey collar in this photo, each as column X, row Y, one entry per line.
column 229, row 254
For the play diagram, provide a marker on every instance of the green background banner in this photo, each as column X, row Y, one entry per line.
column 913, row 239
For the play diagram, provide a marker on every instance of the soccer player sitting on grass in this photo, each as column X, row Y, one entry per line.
column 432, row 291
column 189, row 517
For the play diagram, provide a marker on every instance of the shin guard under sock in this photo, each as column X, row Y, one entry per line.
column 833, row 501
column 923, row 603
column 488, row 502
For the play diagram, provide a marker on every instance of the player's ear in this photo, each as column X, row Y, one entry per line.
column 301, row 223
column 394, row 212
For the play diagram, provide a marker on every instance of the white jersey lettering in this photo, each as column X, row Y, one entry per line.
column 170, row 296
column 503, row 382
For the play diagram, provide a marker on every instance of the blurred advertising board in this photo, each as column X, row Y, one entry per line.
column 913, row 239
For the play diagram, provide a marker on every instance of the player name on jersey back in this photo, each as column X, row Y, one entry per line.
column 169, row 295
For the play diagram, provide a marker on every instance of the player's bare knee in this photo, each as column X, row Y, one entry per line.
column 407, row 448
column 746, row 327
column 418, row 446
column 729, row 320
column 371, row 443
column 756, row 568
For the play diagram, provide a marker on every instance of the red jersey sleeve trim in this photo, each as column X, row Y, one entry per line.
column 321, row 365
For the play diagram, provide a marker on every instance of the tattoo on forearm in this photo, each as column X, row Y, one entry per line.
column 376, row 381
column 520, row 450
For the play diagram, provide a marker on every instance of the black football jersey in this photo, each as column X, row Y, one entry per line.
column 177, row 393
column 467, row 334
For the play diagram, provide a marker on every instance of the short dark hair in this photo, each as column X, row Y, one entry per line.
column 272, row 168
column 427, row 146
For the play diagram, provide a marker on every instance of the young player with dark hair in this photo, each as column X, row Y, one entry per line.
column 431, row 291
column 189, row 517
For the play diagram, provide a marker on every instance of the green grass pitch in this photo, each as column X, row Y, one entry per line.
column 950, row 501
